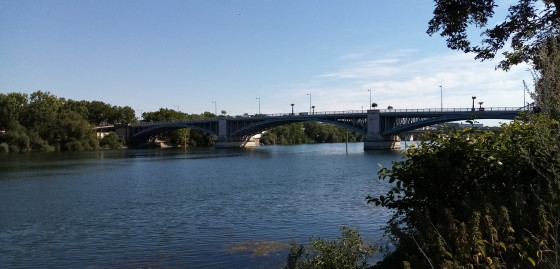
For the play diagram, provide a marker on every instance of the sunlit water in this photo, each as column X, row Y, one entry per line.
column 182, row 209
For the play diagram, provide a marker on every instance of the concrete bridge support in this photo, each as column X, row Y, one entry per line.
column 374, row 140
column 226, row 141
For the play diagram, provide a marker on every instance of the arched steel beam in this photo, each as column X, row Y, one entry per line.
column 145, row 133
column 448, row 118
column 265, row 124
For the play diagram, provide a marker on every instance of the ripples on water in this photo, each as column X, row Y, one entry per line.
column 177, row 208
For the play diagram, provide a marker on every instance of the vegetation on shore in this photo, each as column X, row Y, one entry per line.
column 308, row 133
column 43, row 122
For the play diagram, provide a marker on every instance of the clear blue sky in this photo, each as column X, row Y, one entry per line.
column 186, row 54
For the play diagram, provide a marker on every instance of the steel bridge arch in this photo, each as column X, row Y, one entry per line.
column 431, row 120
column 260, row 126
column 151, row 130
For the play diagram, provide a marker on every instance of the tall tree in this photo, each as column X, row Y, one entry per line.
column 42, row 109
column 12, row 106
column 547, row 81
column 528, row 24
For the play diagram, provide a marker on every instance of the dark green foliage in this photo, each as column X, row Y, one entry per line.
column 348, row 251
column 16, row 137
column 111, row 141
column 44, row 122
column 308, row 132
column 529, row 23
column 4, row 148
column 469, row 199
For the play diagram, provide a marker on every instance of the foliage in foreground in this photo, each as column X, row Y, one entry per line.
column 349, row 251
column 477, row 199
column 527, row 25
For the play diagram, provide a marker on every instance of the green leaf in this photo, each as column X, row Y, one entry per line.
column 503, row 245
column 532, row 261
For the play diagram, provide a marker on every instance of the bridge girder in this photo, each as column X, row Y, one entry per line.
column 146, row 131
column 356, row 123
column 404, row 124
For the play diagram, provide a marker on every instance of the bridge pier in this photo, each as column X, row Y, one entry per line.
column 374, row 140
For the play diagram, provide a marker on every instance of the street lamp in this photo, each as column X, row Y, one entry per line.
column 309, row 102
column 441, row 96
column 369, row 106
column 480, row 104
column 259, row 98
column 292, row 109
column 215, row 110
column 313, row 110
column 474, row 97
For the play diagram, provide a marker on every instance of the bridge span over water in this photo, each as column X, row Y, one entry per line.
column 380, row 127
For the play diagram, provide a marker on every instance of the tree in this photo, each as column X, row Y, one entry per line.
column 42, row 109
column 528, row 25
column 547, row 80
column 12, row 107
column 98, row 112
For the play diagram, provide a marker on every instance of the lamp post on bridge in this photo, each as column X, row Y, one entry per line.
column 313, row 110
column 215, row 110
column 309, row 102
column 259, row 98
column 292, row 109
column 441, row 96
column 474, row 97
column 369, row 106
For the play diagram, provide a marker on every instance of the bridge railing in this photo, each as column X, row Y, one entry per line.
column 476, row 109
column 312, row 113
column 295, row 114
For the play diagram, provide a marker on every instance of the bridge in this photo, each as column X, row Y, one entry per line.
column 380, row 127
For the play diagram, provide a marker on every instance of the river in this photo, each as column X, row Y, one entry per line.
column 177, row 208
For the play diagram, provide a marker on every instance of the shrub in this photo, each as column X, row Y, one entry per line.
column 4, row 148
column 349, row 251
column 477, row 199
column 111, row 141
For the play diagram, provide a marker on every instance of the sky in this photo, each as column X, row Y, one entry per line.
column 210, row 55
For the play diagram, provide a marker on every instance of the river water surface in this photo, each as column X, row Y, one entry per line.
column 182, row 209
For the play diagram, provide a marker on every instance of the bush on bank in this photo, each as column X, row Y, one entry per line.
column 470, row 199
column 349, row 251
